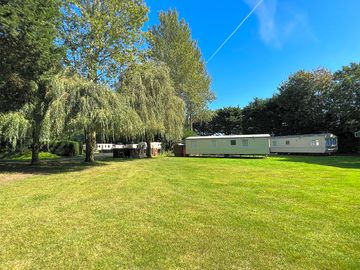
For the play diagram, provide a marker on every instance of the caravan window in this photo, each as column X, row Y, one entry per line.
column 245, row 143
column 233, row 142
column 330, row 142
column 287, row 142
column 315, row 143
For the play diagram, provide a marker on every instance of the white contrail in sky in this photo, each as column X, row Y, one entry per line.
column 233, row 33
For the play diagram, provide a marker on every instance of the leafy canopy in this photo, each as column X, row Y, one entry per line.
column 96, row 108
column 101, row 36
column 227, row 120
column 149, row 91
column 28, row 29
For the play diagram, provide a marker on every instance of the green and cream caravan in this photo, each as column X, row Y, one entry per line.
column 324, row 143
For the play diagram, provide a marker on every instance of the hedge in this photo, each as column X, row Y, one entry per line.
column 65, row 148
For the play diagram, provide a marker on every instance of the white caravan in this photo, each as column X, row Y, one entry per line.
column 101, row 147
column 325, row 143
column 258, row 144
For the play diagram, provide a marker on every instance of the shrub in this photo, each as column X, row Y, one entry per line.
column 189, row 133
column 65, row 148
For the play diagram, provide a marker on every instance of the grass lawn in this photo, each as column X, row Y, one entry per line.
column 182, row 213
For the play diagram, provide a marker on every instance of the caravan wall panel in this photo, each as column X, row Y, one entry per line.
column 228, row 146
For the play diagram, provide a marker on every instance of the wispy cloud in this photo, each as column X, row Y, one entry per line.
column 281, row 21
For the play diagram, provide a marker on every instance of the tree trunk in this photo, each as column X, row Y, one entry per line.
column 90, row 146
column 19, row 146
column 41, row 107
column 191, row 123
column 148, row 148
column 189, row 117
column 36, row 142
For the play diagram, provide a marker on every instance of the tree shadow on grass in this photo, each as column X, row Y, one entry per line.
column 346, row 162
column 54, row 166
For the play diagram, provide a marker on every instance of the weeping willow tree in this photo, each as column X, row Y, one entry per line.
column 98, row 111
column 101, row 38
column 149, row 91
column 46, row 113
column 40, row 119
column 72, row 103
column 13, row 128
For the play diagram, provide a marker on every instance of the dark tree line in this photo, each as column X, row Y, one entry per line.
column 226, row 121
column 307, row 102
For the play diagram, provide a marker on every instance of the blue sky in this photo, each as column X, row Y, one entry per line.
column 281, row 37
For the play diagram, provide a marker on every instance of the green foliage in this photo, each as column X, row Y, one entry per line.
column 227, row 120
column 311, row 102
column 345, row 98
column 15, row 91
column 262, row 116
column 148, row 89
column 171, row 43
column 302, row 101
column 42, row 119
column 13, row 127
column 101, row 36
column 28, row 29
column 96, row 108
column 300, row 106
column 189, row 133
column 29, row 56
column 65, row 148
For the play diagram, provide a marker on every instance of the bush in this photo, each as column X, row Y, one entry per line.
column 189, row 133
column 65, row 148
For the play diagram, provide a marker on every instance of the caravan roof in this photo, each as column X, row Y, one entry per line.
column 230, row 137
column 306, row 135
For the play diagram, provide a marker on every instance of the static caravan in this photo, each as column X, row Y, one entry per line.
column 104, row 147
column 258, row 144
column 324, row 143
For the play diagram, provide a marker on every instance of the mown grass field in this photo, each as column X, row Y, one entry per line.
column 182, row 213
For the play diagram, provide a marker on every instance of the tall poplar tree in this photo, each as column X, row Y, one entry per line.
column 171, row 43
column 101, row 38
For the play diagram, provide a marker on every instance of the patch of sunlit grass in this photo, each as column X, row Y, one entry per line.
column 186, row 213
